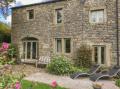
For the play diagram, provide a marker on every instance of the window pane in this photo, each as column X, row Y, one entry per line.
column 102, row 55
column 34, row 50
column 93, row 16
column 24, row 50
column 28, row 50
column 59, row 45
column 96, row 54
column 100, row 16
column 67, row 45
column 59, row 15
column 31, row 14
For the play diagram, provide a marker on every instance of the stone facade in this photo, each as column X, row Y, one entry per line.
column 75, row 25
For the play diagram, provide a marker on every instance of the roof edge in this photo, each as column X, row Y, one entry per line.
column 48, row 2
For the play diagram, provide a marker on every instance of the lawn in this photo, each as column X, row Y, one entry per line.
column 34, row 85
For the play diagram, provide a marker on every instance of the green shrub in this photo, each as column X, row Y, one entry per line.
column 84, row 56
column 118, row 82
column 7, row 55
column 76, row 69
column 12, row 51
column 60, row 65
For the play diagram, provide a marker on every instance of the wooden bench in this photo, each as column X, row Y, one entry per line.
column 43, row 60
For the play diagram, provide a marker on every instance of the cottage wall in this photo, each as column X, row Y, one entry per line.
column 76, row 26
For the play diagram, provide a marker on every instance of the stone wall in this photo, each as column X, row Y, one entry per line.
column 75, row 26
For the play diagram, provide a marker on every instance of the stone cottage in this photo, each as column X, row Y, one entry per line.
column 61, row 26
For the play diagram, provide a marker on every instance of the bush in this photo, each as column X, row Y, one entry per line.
column 7, row 53
column 60, row 65
column 118, row 82
column 84, row 56
column 76, row 69
column 12, row 51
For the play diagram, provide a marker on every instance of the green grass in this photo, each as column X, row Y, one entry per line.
column 35, row 85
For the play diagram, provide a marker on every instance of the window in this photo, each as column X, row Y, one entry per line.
column 59, row 45
column 30, row 14
column 97, row 16
column 59, row 15
column 99, row 54
column 67, row 45
column 63, row 45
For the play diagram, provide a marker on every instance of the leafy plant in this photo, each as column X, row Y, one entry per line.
column 7, row 53
column 118, row 82
column 59, row 65
column 12, row 52
column 84, row 56
column 8, row 80
column 80, row 69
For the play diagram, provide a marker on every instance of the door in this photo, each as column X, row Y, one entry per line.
column 30, row 49
column 99, row 54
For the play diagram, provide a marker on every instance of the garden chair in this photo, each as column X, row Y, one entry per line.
column 43, row 60
column 92, row 71
column 108, row 74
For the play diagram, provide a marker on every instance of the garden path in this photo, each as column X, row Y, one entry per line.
column 65, row 81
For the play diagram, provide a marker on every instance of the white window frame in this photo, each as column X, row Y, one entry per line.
column 97, row 11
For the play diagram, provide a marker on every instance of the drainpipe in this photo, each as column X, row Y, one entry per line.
column 117, row 33
column 82, row 2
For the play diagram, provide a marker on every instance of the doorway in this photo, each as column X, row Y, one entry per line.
column 30, row 48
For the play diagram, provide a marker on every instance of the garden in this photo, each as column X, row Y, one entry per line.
column 60, row 65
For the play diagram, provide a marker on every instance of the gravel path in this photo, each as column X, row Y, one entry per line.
column 83, row 83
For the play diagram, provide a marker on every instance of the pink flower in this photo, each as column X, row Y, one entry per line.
column 54, row 84
column 17, row 85
column 5, row 45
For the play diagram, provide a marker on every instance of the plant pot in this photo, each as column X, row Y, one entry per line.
column 97, row 86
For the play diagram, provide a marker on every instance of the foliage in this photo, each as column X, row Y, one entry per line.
column 35, row 85
column 84, row 56
column 8, row 80
column 12, row 52
column 118, row 82
column 4, row 7
column 76, row 69
column 5, row 33
column 59, row 65
column 7, row 52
